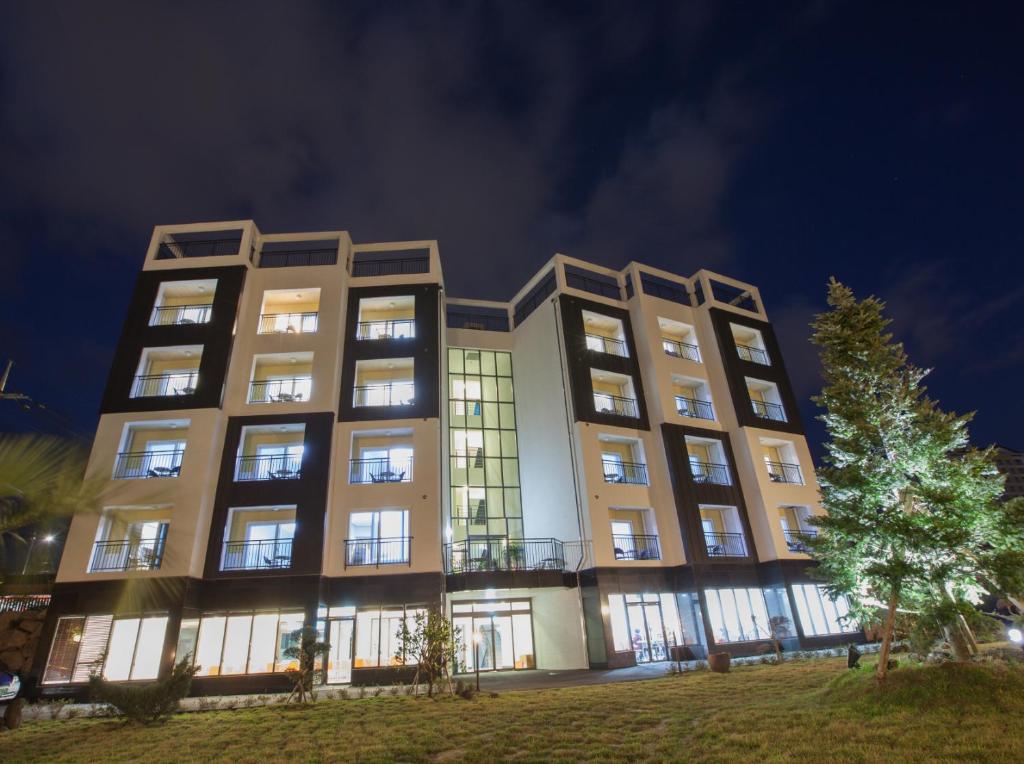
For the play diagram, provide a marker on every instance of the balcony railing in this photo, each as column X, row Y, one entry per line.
column 614, row 404
column 391, row 394
column 290, row 390
column 608, row 345
column 380, row 470
column 257, row 555
column 288, row 323
column 767, row 410
column 795, row 540
column 708, row 472
column 693, row 408
column 636, row 547
column 275, row 467
column 172, row 250
column 148, row 464
column 725, row 544
column 111, row 556
column 155, row 385
column 179, row 315
column 781, row 472
column 377, row 552
column 624, row 472
column 478, row 555
column 680, row 349
column 752, row 354
column 391, row 267
column 299, row 257
column 399, row 329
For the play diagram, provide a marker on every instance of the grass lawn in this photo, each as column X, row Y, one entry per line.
column 811, row 711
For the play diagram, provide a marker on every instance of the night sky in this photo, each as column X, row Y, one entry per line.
column 776, row 143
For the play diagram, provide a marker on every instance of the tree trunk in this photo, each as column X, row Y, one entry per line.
column 955, row 637
column 890, row 621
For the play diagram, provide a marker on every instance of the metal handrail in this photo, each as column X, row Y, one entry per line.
column 678, row 349
column 148, row 464
column 268, row 467
column 268, row 554
column 175, row 250
column 634, row 547
column 361, row 394
column 128, row 554
column 624, row 472
column 709, row 472
column 156, row 385
column 391, row 267
column 384, row 470
column 177, row 315
column 494, row 554
column 795, row 539
column 782, row 472
column 620, row 406
column 295, row 323
column 693, row 408
column 752, row 354
column 609, row 345
column 725, row 544
column 294, row 258
column 396, row 329
column 463, row 319
column 382, row 551
column 767, row 410
column 278, row 390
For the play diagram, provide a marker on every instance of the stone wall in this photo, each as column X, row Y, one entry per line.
column 19, row 636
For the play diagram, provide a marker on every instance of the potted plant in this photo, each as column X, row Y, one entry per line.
column 719, row 662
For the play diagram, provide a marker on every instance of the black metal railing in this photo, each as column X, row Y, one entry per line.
column 636, row 547
column 136, row 554
column 752, row 354
column 725, row 544
column 666, row 290
column 709, row 472
column 781, row 472
column 380, row 470
column 392, row 266
column 377, row 552
column 257, row 555
column 678, row 349
column 299, row 257
column 290, row 390
column 608, row 345
column 180, row 315
column 477, row 555
column 274, row 467
column 391, row 394
column 148, row 464
column 767, row 410
column 399, row 329
column 578, row 278
column 614, row 404
column 288, row 323
column 155, row 385
column 468, row 319
column 696, row 409
column 173, row 250
column 796, row 540
column 624, row 472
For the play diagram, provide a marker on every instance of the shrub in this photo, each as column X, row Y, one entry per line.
column 149, row 703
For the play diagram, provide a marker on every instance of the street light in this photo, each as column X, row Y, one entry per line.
column 476, row 657
column 48, row 538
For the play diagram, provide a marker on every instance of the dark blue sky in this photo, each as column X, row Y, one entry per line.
column 779, row 143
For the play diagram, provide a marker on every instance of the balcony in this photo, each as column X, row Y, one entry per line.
column 158, row 385
column 782, row 472
column 500, row 554
column 180, row 315
column 389, row 394
column 678, row 349
column 708, row 472
column 288, row 323
column 273, row 554
column 693, row 408
column 272, row 467
column 725, row 544
column 148, row 464
column 615, row 404
column 399, row 329
column 766, row 410
column 624, row 472
column 121, row 556
column 290, row 390
column 752, row 354
column 377, row 552
column 795, row 540
column 636, row 547
column 370, row 263
column 287, row 255
column 207, row 247
column 608, row 345
column 380, row 470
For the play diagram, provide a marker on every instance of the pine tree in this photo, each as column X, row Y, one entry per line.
column 913, row 521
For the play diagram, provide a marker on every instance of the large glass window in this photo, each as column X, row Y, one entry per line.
column 378, row 635
column 737, row 615
column 121, row 649
column 819, row 614
column 243, row 643
column 647, row 624
column 496, row 635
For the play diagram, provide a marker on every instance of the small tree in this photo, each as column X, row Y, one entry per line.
column 307, row 650
column 148, row 703
column 913, row 522
column 431, row 645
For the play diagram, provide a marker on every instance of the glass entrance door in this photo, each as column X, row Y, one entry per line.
column 339, row 660
column 495, row 635
column 646, row 628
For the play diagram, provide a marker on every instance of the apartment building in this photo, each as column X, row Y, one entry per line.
column 608, row 469
column 1011, row 464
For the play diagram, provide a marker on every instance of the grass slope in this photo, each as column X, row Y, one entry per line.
column 808, row 711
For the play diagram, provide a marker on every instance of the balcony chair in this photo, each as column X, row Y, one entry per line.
column 156, row 472
column 284, row 474
column 614, row 477
column 184, row 390
column 286, row 397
